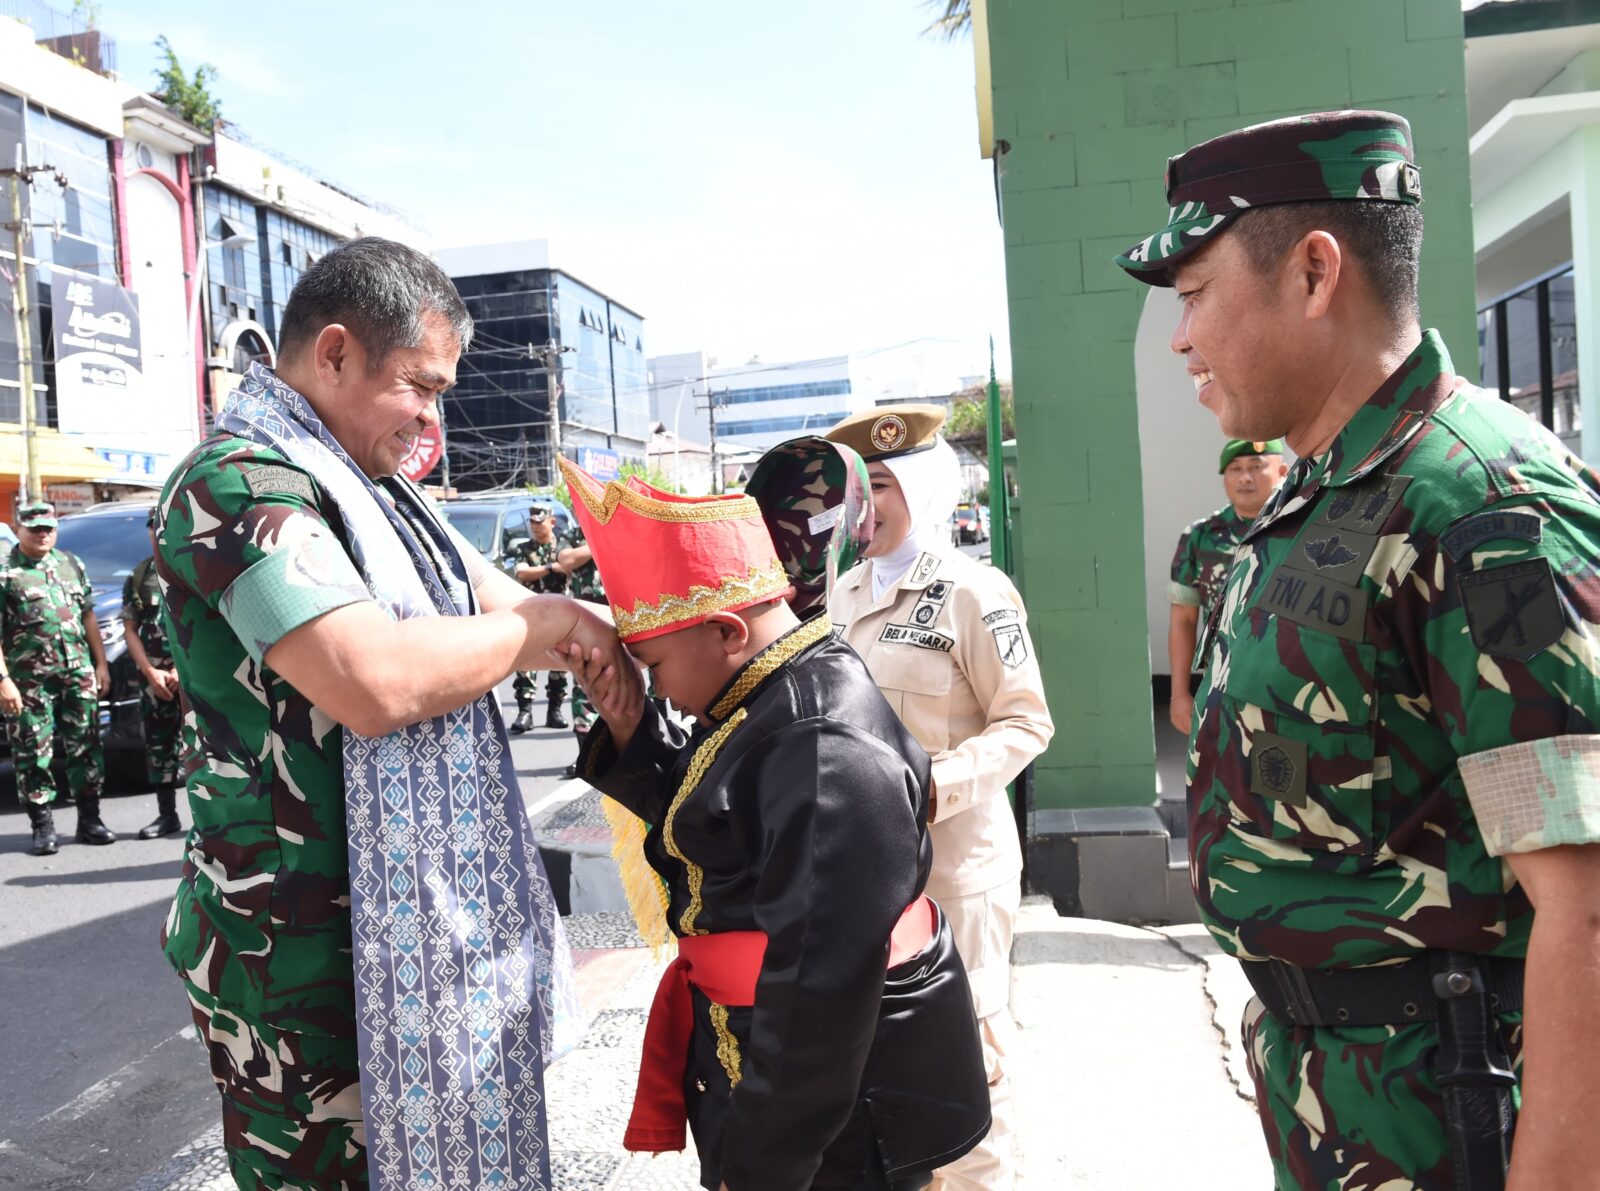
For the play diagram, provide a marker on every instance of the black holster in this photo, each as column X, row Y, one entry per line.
column 1474, row 1073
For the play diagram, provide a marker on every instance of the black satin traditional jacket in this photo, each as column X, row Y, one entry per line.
column 800, row 811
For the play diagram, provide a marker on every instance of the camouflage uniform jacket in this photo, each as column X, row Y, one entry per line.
column 42, row 605
column 141, row 603
column 247, row 551
column 540, row 554
column 585, row 581
column 1403, row 685
column 1200, row 563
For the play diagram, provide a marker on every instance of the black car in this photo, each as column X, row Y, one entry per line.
column 495, row 523
column 111, row 539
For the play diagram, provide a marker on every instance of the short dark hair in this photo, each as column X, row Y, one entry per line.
column 1385, row 240
column 380, row 290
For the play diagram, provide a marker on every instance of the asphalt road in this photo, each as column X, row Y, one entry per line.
column 101, row 1076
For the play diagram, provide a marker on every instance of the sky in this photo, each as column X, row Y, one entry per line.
column 786, row 181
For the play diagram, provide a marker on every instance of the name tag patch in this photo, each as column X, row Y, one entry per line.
column 1487, row 527
column 909, row 634
column 1513, row 611
column 271, row 479
column 1318, row 603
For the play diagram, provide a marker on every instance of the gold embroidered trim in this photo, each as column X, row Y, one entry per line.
column 616, row 495
column 727, row 1044
column 641, row 884
column 775, row 655
column 732, row 592
column 698, row 764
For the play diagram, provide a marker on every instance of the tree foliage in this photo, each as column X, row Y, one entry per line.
column 954, row 20
column 969, row 416
column 188, row 95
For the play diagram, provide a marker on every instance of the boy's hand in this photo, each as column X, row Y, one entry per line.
column 615, row 690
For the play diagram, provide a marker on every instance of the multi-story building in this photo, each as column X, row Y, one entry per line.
column 541, row 331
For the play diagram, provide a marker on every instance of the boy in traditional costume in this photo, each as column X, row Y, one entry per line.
column 816, row 1029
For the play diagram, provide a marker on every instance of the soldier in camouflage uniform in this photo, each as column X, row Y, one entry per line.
column 1250, row 472
column 584, row 583
column 1394, row 780
column 161, row 706
column 538, row 568
column 54, row 671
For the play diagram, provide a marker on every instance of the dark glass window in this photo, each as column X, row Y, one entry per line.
column 1529, row 348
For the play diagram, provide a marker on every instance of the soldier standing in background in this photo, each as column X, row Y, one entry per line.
column 1394, row 777
column 577, row 560
column 161, row 704
column 539, row 569
column 51, row 678
column 1251, row 471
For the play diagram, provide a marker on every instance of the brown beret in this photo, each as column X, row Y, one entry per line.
column 890, row 430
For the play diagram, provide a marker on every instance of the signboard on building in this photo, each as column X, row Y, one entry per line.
column 602, row 465
column 69, row 498
column 99, row 359
column 424, row 455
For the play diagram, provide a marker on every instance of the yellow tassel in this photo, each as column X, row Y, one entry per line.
column 645, row 890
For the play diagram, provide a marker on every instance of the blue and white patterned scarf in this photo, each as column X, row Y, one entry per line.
column 463, row 976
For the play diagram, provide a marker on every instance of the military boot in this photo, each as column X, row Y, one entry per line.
column 44, row 828
column 166, row 820
column 524, row 720
column 553, row 717
column 90, row 829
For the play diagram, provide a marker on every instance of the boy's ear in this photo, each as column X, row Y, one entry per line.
column 731, row 630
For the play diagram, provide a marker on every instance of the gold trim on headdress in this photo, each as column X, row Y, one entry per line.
column 733, row 592
column 616, row 495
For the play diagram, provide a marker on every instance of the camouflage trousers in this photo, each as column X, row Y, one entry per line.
column 526, row 688
column 163, row 732
column 1354, row 1109
column 64, row 710
column 291, row 1103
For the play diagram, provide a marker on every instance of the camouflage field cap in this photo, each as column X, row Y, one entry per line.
column 817, row 503
column 1236, row 447
column 39, row 514
column 890, row 430
column 1315, row 158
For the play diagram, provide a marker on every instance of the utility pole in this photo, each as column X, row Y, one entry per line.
column 550, row 356
column 712, row 397
column 32, row 487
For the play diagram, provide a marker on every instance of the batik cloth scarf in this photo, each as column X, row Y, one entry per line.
column 463, row 977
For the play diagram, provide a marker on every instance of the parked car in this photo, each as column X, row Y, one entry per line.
column 497, row 522
column 111, row 539
column 972, row 526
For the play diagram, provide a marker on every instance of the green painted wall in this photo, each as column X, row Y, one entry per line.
column 1093, row 96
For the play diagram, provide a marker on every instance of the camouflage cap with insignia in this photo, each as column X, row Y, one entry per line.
column 1243, row 446
column 817, row 501
column 1316, row 158
column 890, row 430
column 38, row 514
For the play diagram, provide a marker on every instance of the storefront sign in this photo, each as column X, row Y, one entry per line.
column 69, row 498
column 99, row 358
column 602, row 465
column 424, row 455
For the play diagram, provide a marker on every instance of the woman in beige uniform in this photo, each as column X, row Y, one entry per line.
column 946, row 638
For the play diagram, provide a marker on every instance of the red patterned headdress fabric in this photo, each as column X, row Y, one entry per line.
column 670, row 561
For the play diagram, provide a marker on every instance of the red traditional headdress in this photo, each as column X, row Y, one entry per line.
column 670, row 561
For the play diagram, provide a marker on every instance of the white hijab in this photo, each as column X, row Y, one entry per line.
column 930, row 481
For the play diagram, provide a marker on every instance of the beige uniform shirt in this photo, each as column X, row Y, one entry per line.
column 949, row 648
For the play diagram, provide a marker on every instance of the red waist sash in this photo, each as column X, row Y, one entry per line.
column 725, row 967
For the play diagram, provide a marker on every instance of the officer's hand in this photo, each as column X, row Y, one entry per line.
column 102, row 678
column 156, row 680
column 1181, row 712
column 171, row 677
column 10, row 697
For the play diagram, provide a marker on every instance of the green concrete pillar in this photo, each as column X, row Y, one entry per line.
column 1585, row 218
column 1091, row 97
